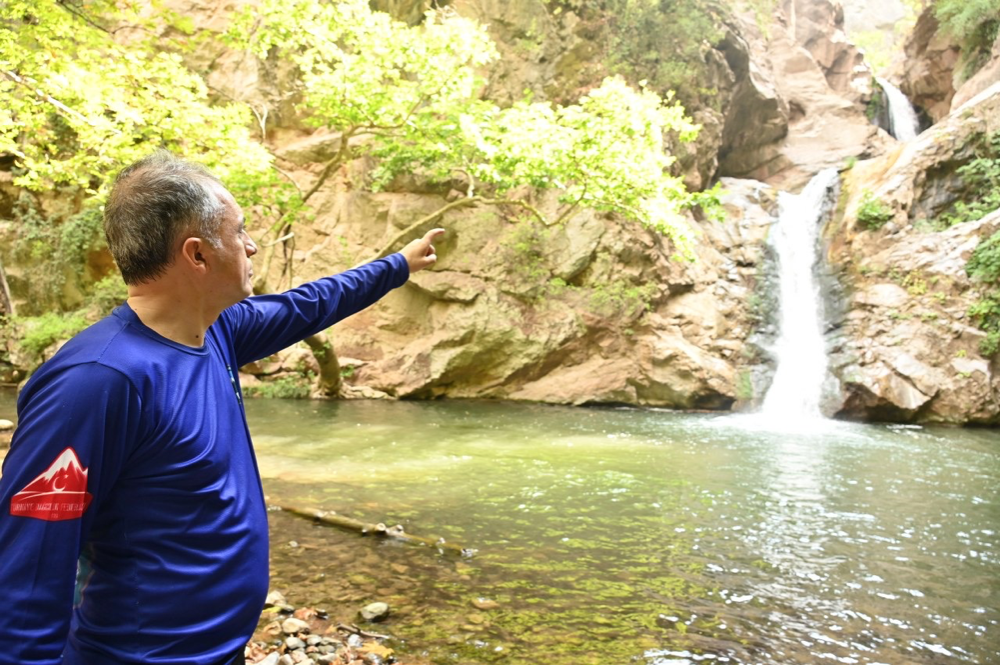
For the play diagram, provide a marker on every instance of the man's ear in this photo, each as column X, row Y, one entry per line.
column 191, row 253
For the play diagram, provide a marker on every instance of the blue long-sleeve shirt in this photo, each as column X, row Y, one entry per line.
column 132, row 520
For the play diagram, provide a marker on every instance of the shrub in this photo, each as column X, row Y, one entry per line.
column 974, row 23
column 41, row 332
column 289, row 386
column 872, row 213
column 981, row 177
column 984, row 264
column 984, row 267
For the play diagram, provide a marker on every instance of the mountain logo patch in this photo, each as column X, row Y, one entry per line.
column 58, row 493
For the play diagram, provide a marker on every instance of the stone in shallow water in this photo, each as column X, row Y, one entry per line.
column 291, row 626
column 485, row 604
column 375, row 612
column 293, row 643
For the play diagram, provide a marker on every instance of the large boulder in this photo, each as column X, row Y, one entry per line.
column 800, row 105
column 756, row 120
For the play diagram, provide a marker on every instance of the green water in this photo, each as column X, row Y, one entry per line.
column 615, row 536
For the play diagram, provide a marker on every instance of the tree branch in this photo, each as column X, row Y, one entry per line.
column 281, row 239
column 333, row 164
column 415, row 227
column 83, row 17
column 289, row 177
column 387, row 248
column 565, row 215
column 65, row 110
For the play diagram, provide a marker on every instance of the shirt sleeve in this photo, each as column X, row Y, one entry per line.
column 75, row 427
column 263, row 325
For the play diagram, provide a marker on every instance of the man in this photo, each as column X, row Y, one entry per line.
column 132, row 519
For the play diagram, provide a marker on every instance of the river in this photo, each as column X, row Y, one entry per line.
column 611, row 536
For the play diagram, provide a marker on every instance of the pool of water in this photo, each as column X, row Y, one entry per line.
column 612, row 536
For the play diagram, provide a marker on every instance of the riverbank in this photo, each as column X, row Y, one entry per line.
column 287, row 636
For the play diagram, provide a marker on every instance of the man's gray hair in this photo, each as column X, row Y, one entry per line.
column 153, row 202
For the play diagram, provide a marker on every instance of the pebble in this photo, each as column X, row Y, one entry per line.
column 292, row 626
column 6, row 425
column 375, row 612
column 293, row 643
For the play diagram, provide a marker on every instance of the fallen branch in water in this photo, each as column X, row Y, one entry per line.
column 354, row 630
column 379, row 530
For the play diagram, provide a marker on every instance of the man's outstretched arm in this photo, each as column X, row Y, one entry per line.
column 263, row 325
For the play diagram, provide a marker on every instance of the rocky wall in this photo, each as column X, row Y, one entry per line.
column 909, row 350
column 592, row 311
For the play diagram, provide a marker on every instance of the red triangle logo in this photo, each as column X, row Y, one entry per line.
column 58, row 493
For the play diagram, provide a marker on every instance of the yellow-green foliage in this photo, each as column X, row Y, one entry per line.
column 290, row 386
column 872, row 213
column 414, row 90
column 76, row 105
column 981, row 177
column 974, row 23
column 662, row 42
column 40, row 332
column 984, row 268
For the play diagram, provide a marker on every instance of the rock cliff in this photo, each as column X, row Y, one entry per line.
column 600, row 311
column 905, row 348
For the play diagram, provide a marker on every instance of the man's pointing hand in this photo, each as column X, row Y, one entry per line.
column 420, row 253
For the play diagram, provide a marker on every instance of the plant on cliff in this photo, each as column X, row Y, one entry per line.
column 984, row 267
column 981, row 178
column 873, row 213
column 974, row 24
column 408, row 96
column 78, row 102
column 663, row 42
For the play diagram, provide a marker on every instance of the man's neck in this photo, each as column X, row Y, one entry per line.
column 183, row 322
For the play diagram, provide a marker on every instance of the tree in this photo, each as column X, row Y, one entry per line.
column 411, row 92
column 78, row 102
column 409, row 96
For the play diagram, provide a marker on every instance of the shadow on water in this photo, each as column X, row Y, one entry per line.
column 627, row 535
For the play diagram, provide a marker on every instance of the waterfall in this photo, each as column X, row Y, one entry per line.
column 903, row 121
column 800, row 348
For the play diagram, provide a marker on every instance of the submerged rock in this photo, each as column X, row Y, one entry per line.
column 375, row 612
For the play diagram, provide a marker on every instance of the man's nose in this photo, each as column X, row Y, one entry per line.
column 251, row 246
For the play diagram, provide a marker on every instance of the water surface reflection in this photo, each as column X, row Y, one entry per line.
column 609, row 535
